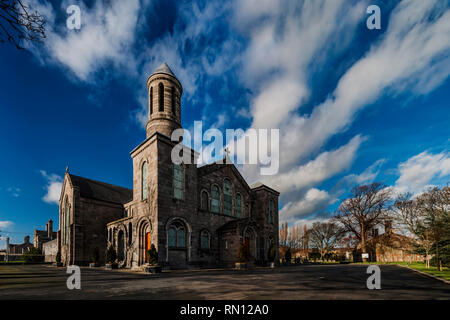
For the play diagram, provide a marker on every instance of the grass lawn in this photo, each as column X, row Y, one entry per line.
column 19, row 261
column 444, row 274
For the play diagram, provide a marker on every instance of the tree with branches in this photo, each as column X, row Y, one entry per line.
column 18, row 23
column 407, row 214
column 324, row 236
column 367, row 208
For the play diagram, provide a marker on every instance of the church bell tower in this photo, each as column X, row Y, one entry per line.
column 164, row 103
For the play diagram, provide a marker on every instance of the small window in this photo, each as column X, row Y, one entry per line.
column 227, row 197
column 173, row 100
column 178, row 179
column 204, row 240
column 215, row 199
column 238, row 206
column 161, row 97
column 144, row 181
column 151, row 100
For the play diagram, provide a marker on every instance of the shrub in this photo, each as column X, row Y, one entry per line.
column 33, row 255
column 243, row 254
column 111, row 255
column 152, row 255
column 288, row 255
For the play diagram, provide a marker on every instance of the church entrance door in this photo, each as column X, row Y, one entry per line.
column 147, row 245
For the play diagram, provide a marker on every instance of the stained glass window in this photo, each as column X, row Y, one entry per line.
column 227, row 197
column 215, row 199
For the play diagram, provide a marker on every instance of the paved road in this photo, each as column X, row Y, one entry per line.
column 286, row 283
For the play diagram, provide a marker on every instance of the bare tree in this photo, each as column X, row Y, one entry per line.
column 407, row 213
column 283, row 234
column 324, row 236
column 366, row 209
column 18, row 23
column 295, row 237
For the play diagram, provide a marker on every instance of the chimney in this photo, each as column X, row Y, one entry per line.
column 7, row 244
column 388, row 226
column 50, row 229
column 26, row 239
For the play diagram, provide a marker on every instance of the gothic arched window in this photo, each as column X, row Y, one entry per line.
column 178, row 181
column 151, row 100
column 227, row 197
column 204, row 203
column 238, row 206
column 270, row 211
column 66, row 221
column 144, row 181
column 204, row 239
column 173, row 99
column 177, row 235
column 215, row 199
column 161, row 96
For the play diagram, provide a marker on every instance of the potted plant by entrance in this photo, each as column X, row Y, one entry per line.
column 95, row 258
column 58, row 262
column 271, row 255
column 111, row 258
column 243, row 256
column 152, row 256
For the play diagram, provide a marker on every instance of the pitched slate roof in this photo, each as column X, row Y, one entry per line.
column 164, row 68
column 101, row 191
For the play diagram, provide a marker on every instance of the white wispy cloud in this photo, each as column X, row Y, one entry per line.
column 418, row 172
column 314, row 201
column 5, row 224
column 53, row 187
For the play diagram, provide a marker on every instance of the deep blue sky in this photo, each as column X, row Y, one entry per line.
column 81, row 103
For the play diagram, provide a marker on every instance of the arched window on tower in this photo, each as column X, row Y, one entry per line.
column 227, row 197
column 178, row 181
column 66, row 221
column 173, row 100
column 144, row 181
column 151, row 100
column 161, row 96
column 215, row 199
column 238, row 206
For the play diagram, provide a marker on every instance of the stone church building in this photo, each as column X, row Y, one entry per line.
column 195, row 216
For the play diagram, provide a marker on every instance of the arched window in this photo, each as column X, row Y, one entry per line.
column 144, row 181
column 270, row 211
column 161, row 96
column 177, row 235
column 173, row 99
column 66, row 217
column 204, row 203
column 178, row 181
column 204, row 240
column 238, row 206
column 215, row 199
column 172, row 237
column 227, row 197
column 151, row 100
